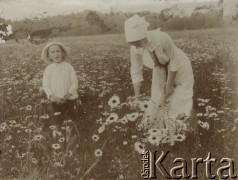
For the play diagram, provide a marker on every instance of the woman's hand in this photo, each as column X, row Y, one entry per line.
column 57, row 99
column 169, row 89
column 67, row 96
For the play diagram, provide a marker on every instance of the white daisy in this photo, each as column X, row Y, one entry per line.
column 133, row 136
column 57, row 113
column 58, row 164
column 204, row 125
column 95, row 137
column 3, row 125
column 28, row 130
column 114, row 101
column 153, row 139
column 179, row 137
column 199, row 114
column 45, row 116
column 101, row 129
column 62, row 139
column 38, row 137
column 123, row 120
column 236, row 121
column 28, row 108
column 143, row 105
column 52, row 127
column 34, row 161
column 139, row 147
column 201, row 104
column 212, row 115
column 98, row 152
column 111, row 119
column 2, row 129
column 12, row 121
column 132, row 116
column 55, row 146
column 125, row 142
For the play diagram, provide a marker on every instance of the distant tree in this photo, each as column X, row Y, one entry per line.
column 93, row 19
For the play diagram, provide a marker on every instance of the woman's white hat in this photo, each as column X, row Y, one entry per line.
column 135, row 28
column 45, row 56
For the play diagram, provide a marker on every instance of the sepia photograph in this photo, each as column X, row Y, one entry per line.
column 118, row 89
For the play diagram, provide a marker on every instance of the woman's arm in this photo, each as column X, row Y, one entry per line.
column 136, row 71
column 171, row 51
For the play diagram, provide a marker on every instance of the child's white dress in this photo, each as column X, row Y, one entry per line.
column 181, row 100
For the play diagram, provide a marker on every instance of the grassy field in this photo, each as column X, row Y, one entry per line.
column 108, row 141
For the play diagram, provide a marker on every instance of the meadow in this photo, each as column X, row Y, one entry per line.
column 107, row 141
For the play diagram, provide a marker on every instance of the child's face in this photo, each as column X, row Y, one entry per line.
column 55, row 53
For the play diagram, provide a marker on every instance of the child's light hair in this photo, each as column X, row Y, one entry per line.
column 45, row 54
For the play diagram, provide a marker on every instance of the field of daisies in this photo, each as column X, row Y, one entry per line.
column 107, row 139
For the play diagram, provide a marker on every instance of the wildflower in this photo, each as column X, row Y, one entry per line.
column 114, row 101
column 8, row 138
column 220, row 112
column 54, row 132
column 123, row 120
column 95, row 137
column 57, row 113
column 101, row 129
column 112, row 118
column 12, row 121
column 55, row 146
column 179, row 137
column 236, row 120
column 34, row 161
column 45, row 116
column 204, row 125
column 69, row 153
column 132, row 116
column 98, row 152
column 2, row 129
column 39, row 129
column 61, row 139
column 3, row 125
column 143, row 105
column 139, row 147
column 28, row 130
column 154, row 131
column 52, row 127
column 58, row 164
column 28, row 108
column 212, row 115
column 199, row 114
column 233, row 129
column 125, row 142
column 38, row 137
column 153, row 139
column 134, row 136
column 100, row 106
column 200, row 104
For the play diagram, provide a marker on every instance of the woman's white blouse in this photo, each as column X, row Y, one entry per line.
column 60, row 79
column 165, row 50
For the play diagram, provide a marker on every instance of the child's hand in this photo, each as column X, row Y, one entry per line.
column 169, row 89
column 67, row 96
column 57, row 99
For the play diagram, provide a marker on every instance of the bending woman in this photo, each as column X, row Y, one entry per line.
column 172, row 79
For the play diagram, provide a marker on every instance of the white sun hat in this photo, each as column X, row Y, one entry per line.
column 44, row 54
column 135, row 28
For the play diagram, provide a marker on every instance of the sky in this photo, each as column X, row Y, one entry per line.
column 20, row 9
